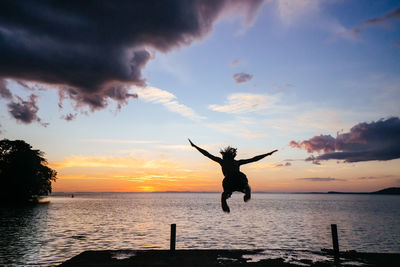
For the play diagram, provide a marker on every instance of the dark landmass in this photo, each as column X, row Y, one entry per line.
column 206, row 257
column 386, row 191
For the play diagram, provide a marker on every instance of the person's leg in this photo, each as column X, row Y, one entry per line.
column 247, row 193
column 226, row 185
column 224, row 197
column 245, row 187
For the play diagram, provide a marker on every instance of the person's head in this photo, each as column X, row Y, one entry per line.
column 228, row 152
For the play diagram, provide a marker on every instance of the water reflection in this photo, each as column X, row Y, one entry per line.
column 51, row 233
column 21, row 228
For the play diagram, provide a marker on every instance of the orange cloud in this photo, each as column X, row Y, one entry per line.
column 112, row 162
column 128, row 174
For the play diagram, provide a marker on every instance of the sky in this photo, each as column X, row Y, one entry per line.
column 110, row 91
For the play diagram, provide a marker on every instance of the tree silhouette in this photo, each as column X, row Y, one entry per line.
column 23, row 172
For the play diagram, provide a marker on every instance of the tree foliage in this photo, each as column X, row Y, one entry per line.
column 23, row 171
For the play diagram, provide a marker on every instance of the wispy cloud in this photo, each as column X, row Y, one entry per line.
column 291, row 10
column 287, row 164
column 377, row 177
column 167, row 99
column 282, row 87
column 240, row 127
column 151, row 177
column 391, row 15
column 244, row 102
column 235, row 63
column 380, row 21
column 121, row 141
column 177, row 147
column 340, row 31
column 113, row 162
column 69, row 116
column 319, row 179
column 264, row 165
column 307, row 117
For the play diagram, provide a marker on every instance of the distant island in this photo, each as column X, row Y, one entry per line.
column 386, row 191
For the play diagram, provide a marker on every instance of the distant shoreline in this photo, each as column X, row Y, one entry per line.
column 386, row 191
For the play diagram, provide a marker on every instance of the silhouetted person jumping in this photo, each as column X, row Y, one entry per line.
column 234, row 180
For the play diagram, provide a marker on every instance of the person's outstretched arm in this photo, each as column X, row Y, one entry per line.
column 205, row 153
column 256, row 158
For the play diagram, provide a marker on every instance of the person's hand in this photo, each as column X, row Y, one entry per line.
column 272, row 152
column 191, row 143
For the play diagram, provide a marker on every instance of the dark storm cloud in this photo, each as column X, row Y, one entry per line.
column 87, row 47
column 319, row 179
column 4, row 92
column 96, row 100
column 242, row 77
column 378, row 140
column 25, row 111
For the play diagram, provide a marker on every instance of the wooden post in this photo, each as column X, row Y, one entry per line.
column 173, row 237
column 335, row 241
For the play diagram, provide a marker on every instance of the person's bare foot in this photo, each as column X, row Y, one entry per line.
column 225, row 207
column 247, row 194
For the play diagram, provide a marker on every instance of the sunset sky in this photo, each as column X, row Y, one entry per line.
column 111, row 90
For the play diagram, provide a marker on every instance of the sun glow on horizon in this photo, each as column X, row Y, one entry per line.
column 128, row 174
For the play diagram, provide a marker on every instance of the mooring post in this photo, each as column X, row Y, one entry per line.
column 173, row 237
column 335, row 241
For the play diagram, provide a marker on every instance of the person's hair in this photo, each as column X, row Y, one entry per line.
column 228, row 152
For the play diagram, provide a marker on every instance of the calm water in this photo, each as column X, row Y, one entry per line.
column 50, row 233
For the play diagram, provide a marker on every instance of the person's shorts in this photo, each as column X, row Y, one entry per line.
column 237, row 183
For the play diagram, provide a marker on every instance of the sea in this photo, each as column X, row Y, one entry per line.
column 51, row 233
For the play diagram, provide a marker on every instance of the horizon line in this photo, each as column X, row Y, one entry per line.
column 188, row 191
